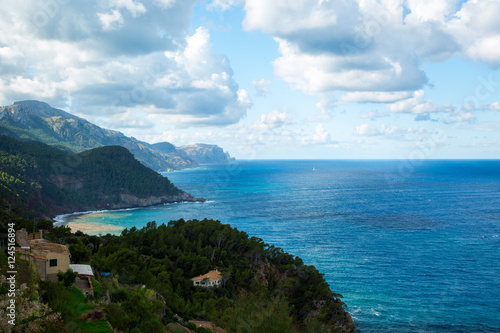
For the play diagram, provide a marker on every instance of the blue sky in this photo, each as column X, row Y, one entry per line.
column 405, row 79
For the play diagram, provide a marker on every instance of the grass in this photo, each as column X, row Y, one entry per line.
column 78, row 303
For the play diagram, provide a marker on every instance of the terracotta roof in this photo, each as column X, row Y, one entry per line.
column 47, row 247
column 211, row 276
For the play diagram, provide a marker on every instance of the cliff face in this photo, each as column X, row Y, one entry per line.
column 205, row 154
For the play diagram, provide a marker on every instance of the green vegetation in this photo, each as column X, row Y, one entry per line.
column 34, row 120
column 263, row 288
column 39, row 181
column 72, row 306
column 259, row 280
column 67, row 278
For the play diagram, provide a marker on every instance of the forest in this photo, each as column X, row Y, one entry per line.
column 38, row 181
column 147, row 283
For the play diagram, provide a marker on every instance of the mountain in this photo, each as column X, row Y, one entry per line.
column 205, row 154
column 34, row 120
column 40, row 181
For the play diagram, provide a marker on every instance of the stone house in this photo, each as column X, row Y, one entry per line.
column 49, row 258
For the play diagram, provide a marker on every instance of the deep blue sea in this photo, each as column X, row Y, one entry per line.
column 412, row 248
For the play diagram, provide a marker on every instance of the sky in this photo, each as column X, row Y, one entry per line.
column 301, row 79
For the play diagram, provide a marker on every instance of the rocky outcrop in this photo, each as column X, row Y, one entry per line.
column 205, row 154
column 178, row 328
column 325, row 305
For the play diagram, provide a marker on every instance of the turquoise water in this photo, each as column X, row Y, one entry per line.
column 412, row 248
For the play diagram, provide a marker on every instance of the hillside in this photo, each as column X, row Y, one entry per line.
column 205, row 154
column 149, row 288
column 42, row 181
column 34, row 120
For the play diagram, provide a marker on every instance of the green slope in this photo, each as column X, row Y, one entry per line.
column 42, row 181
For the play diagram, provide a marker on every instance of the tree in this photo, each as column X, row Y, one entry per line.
column 68, row 278
column 44, row 225
column 79, row 252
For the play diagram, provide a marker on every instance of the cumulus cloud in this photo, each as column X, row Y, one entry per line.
column 495, row 106
column 371, row 51
column 93, row 56
column 459, row 117
column 271, row 121
column 319, row 135
column 418, row 105
column 261, row 86
column 475, row 27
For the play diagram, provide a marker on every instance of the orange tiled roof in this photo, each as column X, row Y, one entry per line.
column 42, row 246
column 211, row 276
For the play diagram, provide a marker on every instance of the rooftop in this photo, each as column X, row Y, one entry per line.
column 43, row 246
column 82, row 269
column 211, row 276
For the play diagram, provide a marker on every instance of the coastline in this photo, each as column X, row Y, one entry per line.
column 95, row 227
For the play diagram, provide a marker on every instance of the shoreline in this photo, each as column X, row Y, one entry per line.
column 60, row 219
column 95, row 227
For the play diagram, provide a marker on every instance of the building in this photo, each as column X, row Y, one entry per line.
column 208, row 280
column 49, row 258
column 84, row 279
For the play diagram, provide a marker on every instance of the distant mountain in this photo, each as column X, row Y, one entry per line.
column 40, row 181
column 205, row 154
column 34, row 120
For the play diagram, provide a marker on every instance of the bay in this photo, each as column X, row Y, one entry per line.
column 413, row 246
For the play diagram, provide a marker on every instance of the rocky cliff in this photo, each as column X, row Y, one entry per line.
column 205, row 153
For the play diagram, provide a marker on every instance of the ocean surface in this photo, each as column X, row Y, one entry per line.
column 412, row 246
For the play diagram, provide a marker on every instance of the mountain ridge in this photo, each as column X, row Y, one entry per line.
column 35, row 120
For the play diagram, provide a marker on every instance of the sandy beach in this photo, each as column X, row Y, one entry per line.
column 94, row 228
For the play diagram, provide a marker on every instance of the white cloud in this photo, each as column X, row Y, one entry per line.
column 110, row 21
column 135, row 8
column 224, row 4
column 461, row 117
column 371, row 51
column 425, row 11
column 476, row 29
column 261, row 86
column 417, row 105
column 271, row 121
column 318, row 136
column 495, row 106
column 374, row 96
column 385, row 131
column 93, row 56
column 165, row 3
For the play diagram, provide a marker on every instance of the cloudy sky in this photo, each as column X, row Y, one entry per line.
column 406, row 79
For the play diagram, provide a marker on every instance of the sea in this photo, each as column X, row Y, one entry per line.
column 412, row 246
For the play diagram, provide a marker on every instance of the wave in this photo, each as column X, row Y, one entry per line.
column 61, row 219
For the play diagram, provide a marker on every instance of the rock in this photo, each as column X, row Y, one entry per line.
column 178, row 328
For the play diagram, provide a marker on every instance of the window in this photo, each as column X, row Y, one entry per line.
column 53, row 262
